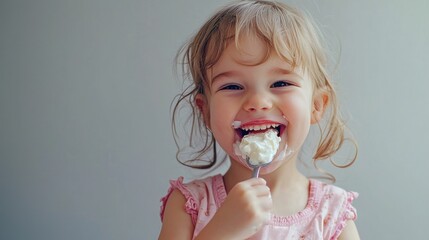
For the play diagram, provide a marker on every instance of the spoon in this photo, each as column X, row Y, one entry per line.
column 255, row 167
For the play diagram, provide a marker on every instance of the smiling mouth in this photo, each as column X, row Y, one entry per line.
column 255, row 129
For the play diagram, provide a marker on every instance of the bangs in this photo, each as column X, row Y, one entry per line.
column 280, row 27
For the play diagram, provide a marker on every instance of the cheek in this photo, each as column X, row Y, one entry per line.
column 221, row 118
column 298, row 109
column 217, row 111
column 223, row 111
column 297, row 112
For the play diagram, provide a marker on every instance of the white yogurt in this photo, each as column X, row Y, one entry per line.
column 260, row 147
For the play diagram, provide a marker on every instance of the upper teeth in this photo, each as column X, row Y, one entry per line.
column 259, row 127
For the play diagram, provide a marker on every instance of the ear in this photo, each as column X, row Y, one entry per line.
column 202, row 104
column 320, row 103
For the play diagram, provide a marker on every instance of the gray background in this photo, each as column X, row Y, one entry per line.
column 85, row 143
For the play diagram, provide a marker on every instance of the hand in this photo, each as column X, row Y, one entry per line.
column 244, row 212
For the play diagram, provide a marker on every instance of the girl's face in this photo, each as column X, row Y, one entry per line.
column 259, row 94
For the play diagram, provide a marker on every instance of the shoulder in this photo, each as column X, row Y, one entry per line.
column 349, row 232
column 176, row 222
column 183, row 203
column 335, row 205
column 332, row 196
column 194, row 193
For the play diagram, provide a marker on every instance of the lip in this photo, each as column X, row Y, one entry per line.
column 240, row 133
column 258, row 122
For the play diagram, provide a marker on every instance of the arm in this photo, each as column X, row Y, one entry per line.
column 177, row 224
column 350, row 232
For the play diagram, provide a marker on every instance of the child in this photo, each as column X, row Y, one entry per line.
column 255, row 66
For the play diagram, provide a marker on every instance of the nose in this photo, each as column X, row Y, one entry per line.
column 257, row 102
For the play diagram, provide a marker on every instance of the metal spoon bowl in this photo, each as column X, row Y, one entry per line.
column 255, row 167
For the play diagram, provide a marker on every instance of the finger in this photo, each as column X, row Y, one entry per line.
column 266, row 203
column 256, row 181
column 262, row 190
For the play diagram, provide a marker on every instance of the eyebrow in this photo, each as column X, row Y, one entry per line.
column 223, row 74
column 285, row 71
column 278, row 70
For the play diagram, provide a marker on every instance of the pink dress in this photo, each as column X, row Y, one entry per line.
column 327, row 211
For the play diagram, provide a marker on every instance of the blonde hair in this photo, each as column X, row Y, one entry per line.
column 288, row 32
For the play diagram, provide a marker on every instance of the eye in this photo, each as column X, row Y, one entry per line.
column 231, row 87
column 279, row 84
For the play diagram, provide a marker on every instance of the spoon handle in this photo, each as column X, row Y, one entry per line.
column 255, row 173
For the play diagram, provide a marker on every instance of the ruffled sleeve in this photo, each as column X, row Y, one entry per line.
column 191, row 206
column 203, row 198
column 335, row 209
column 348, row 213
